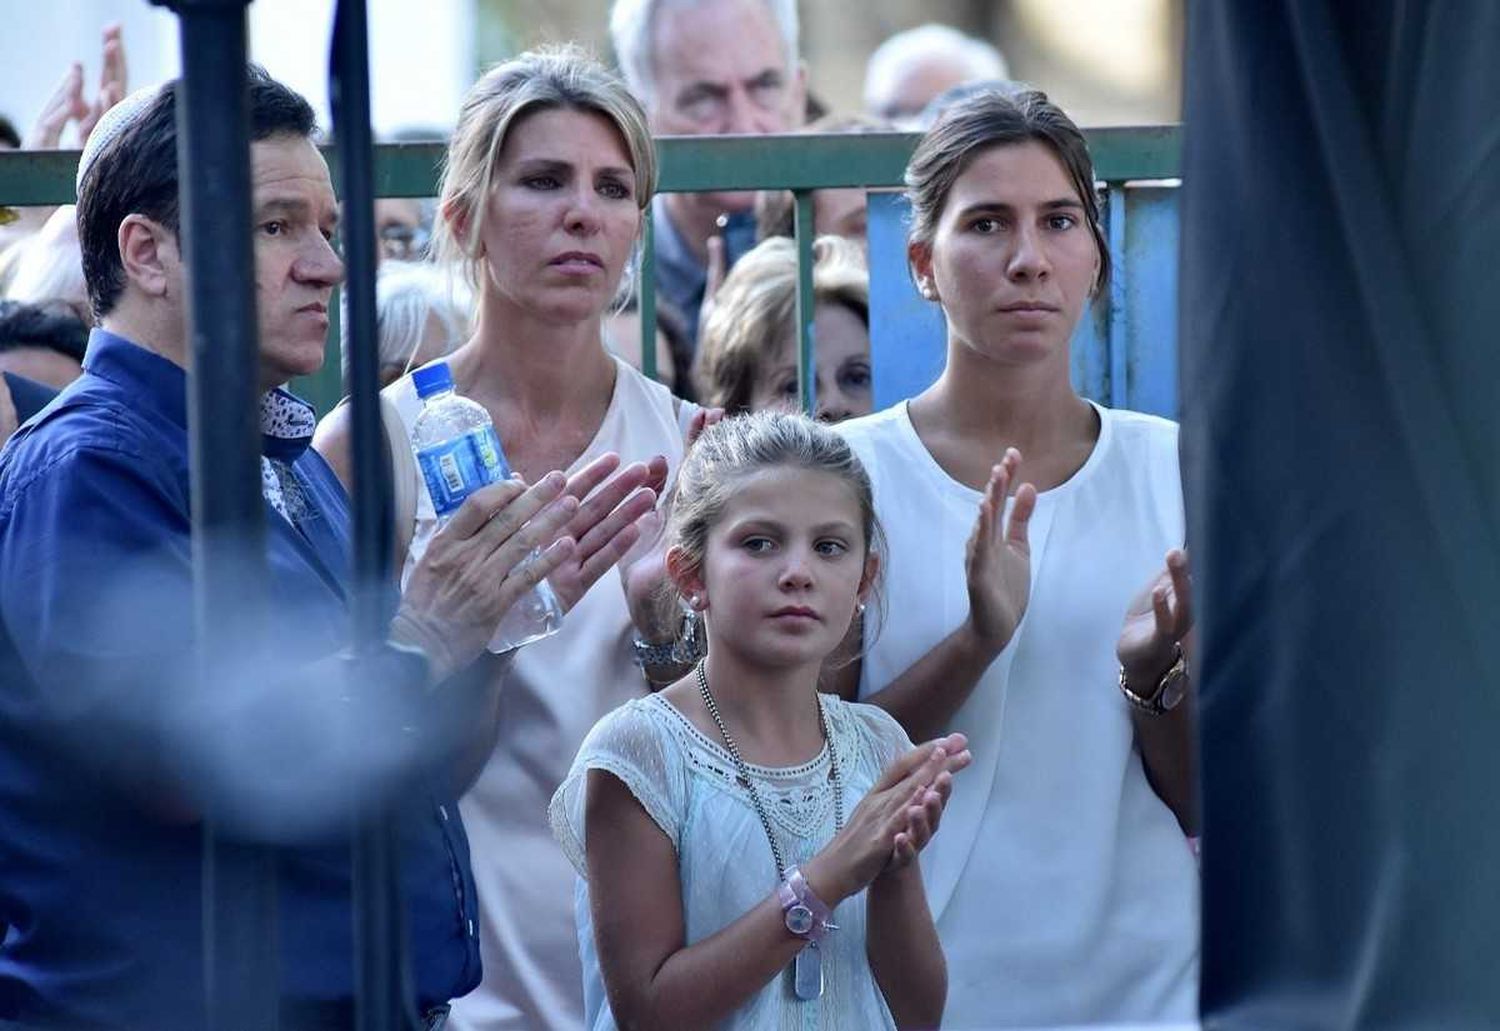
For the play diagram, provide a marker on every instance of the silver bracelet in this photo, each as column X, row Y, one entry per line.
column 685, row 648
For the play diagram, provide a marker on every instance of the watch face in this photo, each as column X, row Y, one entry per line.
column 1173, row 691
column 799, row 919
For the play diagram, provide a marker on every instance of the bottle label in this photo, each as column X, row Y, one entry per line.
column 457, row 468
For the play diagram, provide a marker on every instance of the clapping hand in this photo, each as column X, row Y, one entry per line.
column 926, row 806
column 479, row 564
column 1158, row 618
column 894, row 821
column 644, row 571
column 998, row 559
column 609, row 520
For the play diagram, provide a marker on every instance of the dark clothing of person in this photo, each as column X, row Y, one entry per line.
column 1341, row 457
column 102, row 889
column 28, row 396
column 680, row 277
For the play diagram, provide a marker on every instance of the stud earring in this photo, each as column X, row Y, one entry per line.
column 928, row 290
column 860, row 608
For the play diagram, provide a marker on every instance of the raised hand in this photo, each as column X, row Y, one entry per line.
column 891, row 823
column 608, row 521
column 65, row 105
column 644, row 571
column 1158, row 618
column 998, row 560
column 113, row 83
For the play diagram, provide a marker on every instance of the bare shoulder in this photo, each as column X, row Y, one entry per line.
column 331, row 440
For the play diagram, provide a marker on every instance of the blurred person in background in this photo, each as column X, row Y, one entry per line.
column 403, row 225
column 41, row 351
column 708, row 67
column 110, row 749
column 47, row 267
column 43, row 342
column 67, row 105
column 549, row 175
column 747, row 361
column 421, row 315
column 622, row 335
column 836, row 212
column 910, row 68
column 401, row 230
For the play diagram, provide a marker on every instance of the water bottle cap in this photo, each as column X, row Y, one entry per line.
column 432, row 379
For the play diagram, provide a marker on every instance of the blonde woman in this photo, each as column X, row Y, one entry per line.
column 548, row 175
column 747, row 357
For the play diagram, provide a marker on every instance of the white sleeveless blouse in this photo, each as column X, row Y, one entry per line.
column 554, row 691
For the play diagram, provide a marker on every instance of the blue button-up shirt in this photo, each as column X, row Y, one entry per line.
column 100, row 887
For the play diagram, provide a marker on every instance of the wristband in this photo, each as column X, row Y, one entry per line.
column 806, row 915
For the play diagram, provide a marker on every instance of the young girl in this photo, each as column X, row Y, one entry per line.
column 747, row 845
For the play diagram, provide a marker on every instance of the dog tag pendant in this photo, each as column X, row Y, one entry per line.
column 807, row 973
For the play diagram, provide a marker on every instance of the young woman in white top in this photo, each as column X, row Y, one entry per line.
column 748, row 844
column 549, row 172
column 1063, row 884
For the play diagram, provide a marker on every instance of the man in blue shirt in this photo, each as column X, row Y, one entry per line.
column 109, row 748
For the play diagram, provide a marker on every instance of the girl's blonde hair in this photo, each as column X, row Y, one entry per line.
column 744, row 444
column 537, row 80
column 754, row 313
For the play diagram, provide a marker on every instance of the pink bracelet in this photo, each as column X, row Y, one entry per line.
column 806, row 915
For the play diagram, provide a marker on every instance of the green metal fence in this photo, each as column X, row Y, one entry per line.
column 800, row 163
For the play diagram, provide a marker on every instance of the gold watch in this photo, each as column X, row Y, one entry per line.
column 1168, row 692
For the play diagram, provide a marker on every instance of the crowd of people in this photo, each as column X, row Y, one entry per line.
column 868, row 719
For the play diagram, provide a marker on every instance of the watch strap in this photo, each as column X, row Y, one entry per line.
column 1153, row 704
column 794, row 891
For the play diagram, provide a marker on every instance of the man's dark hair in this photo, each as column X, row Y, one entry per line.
column 53, row 325
column 137, row 174
column 8, row 134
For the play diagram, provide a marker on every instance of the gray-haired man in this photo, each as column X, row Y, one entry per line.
column 708, row 67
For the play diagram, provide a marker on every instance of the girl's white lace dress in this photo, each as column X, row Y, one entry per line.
column 688, row 785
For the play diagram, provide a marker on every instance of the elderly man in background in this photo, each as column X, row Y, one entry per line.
column 912, row 68
column 110, row 748
column 708, row 67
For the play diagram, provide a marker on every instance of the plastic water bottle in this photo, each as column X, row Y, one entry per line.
column 458, row 452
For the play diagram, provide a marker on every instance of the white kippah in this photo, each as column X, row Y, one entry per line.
column 110, row 126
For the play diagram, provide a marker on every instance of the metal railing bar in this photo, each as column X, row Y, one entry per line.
column 805, row 232
column 240, row 942
column 1118, row 342
column 646, row 297
column 688, row 163
column 383, row 998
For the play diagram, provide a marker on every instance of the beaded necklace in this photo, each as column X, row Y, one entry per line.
column 807, row 970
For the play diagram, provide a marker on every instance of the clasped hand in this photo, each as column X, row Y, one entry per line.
column 896, row 820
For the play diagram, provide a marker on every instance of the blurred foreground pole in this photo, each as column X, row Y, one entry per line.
column 1340, row 311
column 382, row 974
column 213, row 156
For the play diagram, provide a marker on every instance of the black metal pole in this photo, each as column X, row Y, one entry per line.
column 382, row 974
column 239, row 881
